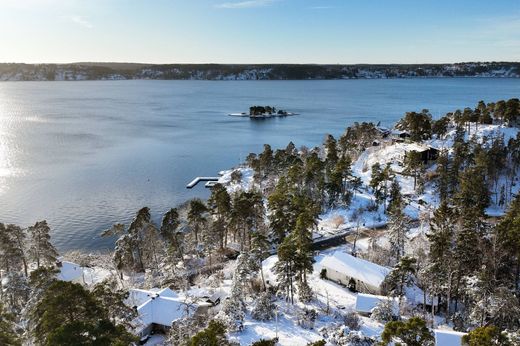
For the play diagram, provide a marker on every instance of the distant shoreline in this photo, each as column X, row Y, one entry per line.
column 127, row 71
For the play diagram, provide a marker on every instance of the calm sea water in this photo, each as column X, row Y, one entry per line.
column 85, row 155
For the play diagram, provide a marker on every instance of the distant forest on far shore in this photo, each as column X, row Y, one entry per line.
column 121, row 71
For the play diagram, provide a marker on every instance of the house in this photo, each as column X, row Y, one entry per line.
column 365, row 304
column 158, row 309
column 367, row 277
column 427, row 153
column 351, row 271
column 448, row 338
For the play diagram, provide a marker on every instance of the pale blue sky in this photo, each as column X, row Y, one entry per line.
column 259, row 31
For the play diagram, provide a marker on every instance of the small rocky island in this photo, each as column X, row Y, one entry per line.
column 262, row 112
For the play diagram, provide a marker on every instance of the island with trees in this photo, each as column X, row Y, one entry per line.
column 263, row 112
column 372, row 238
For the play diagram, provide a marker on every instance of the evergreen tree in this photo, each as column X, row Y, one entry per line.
column 264, row 308
column 441, row 266
column 473, row 192
column 112, row 300
column 197, row 217
column 41, row 249
column 508, row 239
column 485, row 336
column 302, row 236
column 285, row 267
column 413, row 165
column 419, row 125
column 396, row 203
column 379, row 183
column 259, row 251
column 401, row 277
column 139, row 245
column 443, row 171
column 220, row 204
column 68, row 314
column 169, row 225
column 413, row 332
column 213, row 335
column 398, row 226
column 331, row 151
column 8, row 334
column 13, row 249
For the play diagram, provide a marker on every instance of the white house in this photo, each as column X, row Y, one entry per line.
column 448, row 338
column 367, row 276
column 365, row 303
column 342, row 268
column 158, row 309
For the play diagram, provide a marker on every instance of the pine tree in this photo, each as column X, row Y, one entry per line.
column 413, row 332
column 441, row 267
column 264, row 307
column 285, row 267
column 413, row 165
column 41, row 249
column 398, row 226
column 169, row 225
column 220, row 204
column 443, row 171
column 401, row 277
column 473, row 191
column 396, row 203
column 302, row 236
column 139, row 245
column 508, row 239
column 197, row 217
column 68, row 314
column 112, row 300
column 331, row 151
column 259, row 251
column 485, row 336
column 213, row 335
column 8, row 334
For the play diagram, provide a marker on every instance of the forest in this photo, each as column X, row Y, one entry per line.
column 102, row 71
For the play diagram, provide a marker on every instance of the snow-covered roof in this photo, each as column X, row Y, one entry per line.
column 416, row 147
column 356, row 268
column 416, row 295
column 365, row 303
column 70, row 271
column 161, row 310
column 448, row 338
column 162, row 306
column 137, row 297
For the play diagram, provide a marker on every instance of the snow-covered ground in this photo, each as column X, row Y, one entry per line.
column 361, row 213
column 245, row 183
column 338, row 298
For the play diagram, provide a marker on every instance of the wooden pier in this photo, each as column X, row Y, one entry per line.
column 197, row 180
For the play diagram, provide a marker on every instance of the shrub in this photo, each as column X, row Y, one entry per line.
column 383, row 312
column 265, row 342
column 323, row 273
column 352, row 320
column 337, row 220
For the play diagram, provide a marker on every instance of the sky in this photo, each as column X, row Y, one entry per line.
column 259, row 31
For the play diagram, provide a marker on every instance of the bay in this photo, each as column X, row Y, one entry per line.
column 85, row 155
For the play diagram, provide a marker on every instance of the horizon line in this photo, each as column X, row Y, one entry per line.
column 261, row 63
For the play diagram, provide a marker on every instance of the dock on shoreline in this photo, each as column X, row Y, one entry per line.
column 197, row 180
